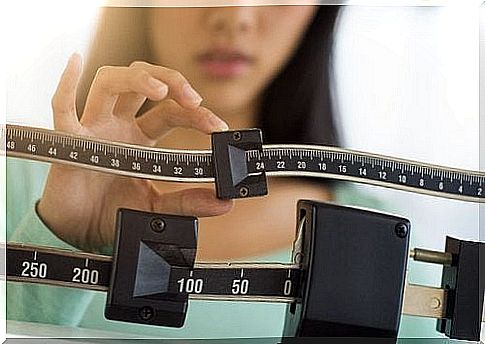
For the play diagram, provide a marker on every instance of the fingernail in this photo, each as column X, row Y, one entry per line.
column 157, row 85
column 191, row 94
column 219, row 124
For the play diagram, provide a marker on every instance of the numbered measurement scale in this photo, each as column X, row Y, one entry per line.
column 273, row 160
column 153, row 273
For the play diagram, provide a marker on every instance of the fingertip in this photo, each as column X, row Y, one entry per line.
column 75, row 61
column 206, row 121
column 224, row 126
column 163, row 91
column 224, row 203
column 218, row 207
column 210, row 205
column 193, row 98
column 75, row 56
column 158, row 92
column 228, row 205
column 218, row 124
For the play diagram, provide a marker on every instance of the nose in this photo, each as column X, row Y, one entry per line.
column 233, row 20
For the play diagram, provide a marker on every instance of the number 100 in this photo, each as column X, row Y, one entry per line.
column 190, row 285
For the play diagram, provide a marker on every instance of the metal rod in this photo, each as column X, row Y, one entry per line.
column 428, row 256
column 278, row 299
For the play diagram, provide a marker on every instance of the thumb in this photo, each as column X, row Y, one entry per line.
column 194, row 202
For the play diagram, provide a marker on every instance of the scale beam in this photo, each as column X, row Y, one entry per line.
column 419, row 300
column 273, row 160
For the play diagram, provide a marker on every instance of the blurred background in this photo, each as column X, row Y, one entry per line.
column 406, row 84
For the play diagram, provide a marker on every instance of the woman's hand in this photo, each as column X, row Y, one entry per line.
column 79, row 205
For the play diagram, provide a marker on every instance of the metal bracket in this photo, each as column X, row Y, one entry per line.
column 353, row 278
column 148, row 249
column 232, row 177
column 465, row 286
column 347, row 278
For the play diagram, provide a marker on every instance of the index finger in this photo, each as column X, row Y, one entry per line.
column 179, row 89
column 168, row 114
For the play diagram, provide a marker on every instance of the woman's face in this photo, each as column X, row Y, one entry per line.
column 229, row 54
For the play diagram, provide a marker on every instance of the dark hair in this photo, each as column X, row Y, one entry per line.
column 297, row 105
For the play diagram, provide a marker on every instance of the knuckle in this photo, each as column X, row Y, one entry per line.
column 198, row 121
column 104, row 77
column 141, row 76
column 104, row 72
column 61, row 105
column 169, row 120
column 170, row 107
column 56, row 102
column 138, row 64
column 176, row 76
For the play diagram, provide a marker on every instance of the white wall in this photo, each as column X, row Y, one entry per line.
column 408, row 87
column 41, row 37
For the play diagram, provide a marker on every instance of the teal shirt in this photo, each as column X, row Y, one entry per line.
column 82, row 308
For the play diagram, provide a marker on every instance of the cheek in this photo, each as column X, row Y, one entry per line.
column 172, row 36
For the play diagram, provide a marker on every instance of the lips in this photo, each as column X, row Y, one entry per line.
column 224, row 63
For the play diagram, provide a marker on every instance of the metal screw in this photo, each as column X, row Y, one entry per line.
column 401, row 230
column 243, row 191
column 236, row 135
column 157, row 225
column 146, row 313
column 435, row 303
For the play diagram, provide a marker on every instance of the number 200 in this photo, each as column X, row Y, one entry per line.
column 85, row 276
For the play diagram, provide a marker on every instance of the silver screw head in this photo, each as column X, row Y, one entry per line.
column 157, row 225
column 243, row 191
